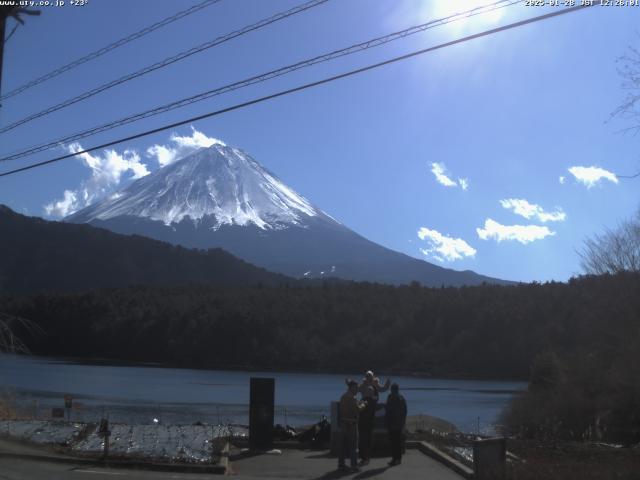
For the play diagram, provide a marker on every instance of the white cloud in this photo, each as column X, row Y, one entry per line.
column 442, row 177
column 183, row 145
column 443, row 247
column 591, row 176
column 561, row 179
column 164, row 155
column 438, row 170
column 63, row 207
column 528, row 210
column 107, row 172
column 521, row 233
column 196, row 140
column 111, row 168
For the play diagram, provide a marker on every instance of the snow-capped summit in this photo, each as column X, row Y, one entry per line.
column 221, row 197
column 219, row 182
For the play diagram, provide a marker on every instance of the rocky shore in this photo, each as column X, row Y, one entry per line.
column 174, row 443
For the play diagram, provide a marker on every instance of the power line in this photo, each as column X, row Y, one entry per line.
column 304, row 87
column 15, row 27
column 167, row 61
column 629, row 176
column 264, row 77
column 108, row 48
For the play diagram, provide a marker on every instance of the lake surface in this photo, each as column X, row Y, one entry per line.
column 144, row 394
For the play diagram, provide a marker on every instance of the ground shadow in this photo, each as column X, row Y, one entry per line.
column 370, row 473
column 246, row 454
column 323, row 455
column 335, row 474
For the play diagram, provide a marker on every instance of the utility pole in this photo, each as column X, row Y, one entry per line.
column 3, row 22
column 15, row 12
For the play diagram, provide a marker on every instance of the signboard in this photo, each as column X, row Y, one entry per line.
column 261, row 412
column 489, row 459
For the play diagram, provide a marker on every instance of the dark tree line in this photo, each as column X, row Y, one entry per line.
column 483, row 331
column 592, row 390
column 37, row 255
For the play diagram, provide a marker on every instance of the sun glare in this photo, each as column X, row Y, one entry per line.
column 488, row 12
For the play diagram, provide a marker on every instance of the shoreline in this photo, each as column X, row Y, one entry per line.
column 140, row 394
column 191, row 444
column 115, row 362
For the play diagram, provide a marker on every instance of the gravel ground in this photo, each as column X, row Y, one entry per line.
column 183, row 443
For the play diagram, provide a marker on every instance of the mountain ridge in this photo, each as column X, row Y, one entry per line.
column 46, row 255
column 222, row 181
column 219, row 196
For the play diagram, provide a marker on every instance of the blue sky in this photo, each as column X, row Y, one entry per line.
column 387, row 152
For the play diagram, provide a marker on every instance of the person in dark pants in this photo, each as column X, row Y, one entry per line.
column 348, row 411
column 395, row 419
column 369, row 390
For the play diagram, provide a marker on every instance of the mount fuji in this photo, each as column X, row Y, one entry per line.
column 219, row 196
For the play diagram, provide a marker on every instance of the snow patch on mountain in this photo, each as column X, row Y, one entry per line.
column 219, row 181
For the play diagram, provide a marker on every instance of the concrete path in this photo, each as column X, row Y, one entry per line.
column 16, row 469
column 291, row 464
column 9, row 448
column 311, row 465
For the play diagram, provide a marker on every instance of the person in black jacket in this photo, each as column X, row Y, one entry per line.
column 369, row 389
column 395, row 419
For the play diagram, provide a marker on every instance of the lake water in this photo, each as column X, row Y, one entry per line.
column 144, row 394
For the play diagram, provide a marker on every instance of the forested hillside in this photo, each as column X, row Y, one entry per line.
column 483, row 331
column 39, row 255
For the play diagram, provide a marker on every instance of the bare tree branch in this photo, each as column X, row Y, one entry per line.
column 629, row 110
column 629, row 70
column 614, row 251
column 9, row 342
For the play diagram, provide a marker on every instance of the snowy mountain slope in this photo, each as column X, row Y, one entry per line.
column 219, row 181
column 221, row 197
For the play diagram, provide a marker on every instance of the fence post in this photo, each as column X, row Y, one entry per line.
column 103, row 431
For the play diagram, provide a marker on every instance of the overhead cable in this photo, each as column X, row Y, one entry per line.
column 303, row 87
column 108, row 48
column 263, row 77
column 629, row 176
column 15, row 27
column 167, row 61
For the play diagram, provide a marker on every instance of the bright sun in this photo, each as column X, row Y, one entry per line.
column 432, row 10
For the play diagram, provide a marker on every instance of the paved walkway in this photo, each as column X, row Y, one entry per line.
column 291, row 464
column 310, row 465
column 16, row 469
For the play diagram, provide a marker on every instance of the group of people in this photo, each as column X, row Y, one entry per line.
column 356, row 419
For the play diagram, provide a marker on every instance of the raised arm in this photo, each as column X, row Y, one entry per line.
column 383, row 388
